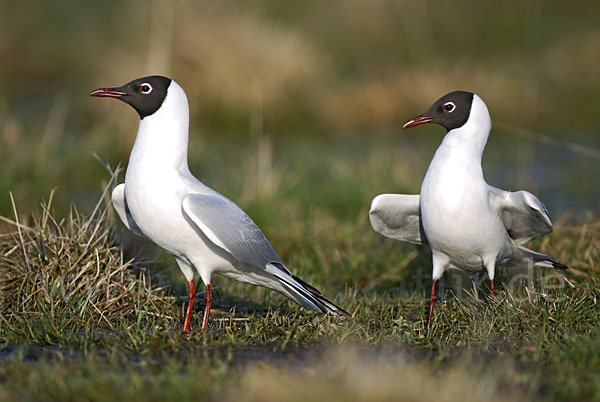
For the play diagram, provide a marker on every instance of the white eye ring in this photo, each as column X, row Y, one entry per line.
column 449, row 107
column 145, row 88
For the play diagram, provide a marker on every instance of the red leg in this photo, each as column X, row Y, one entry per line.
column 190, row 307
column 492, row 290
column 431, row 302
column 207, row 305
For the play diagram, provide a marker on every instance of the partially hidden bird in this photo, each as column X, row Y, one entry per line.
column 204, row 231
column 466, row 223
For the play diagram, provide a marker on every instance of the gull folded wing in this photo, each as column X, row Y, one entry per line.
column 230, row 228
column 398, row 216
column 120, row 205
column 523, row 215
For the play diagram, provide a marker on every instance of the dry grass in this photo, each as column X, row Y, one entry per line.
column 70, row 271
column 580, row 245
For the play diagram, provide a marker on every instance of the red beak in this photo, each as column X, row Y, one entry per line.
column 108, row 93
column 417, row 121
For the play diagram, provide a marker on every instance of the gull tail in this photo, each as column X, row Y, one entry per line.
column 302, row 293
column 541, row 260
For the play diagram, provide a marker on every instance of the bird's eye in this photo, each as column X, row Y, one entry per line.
column 145, row 88
column 449, row 107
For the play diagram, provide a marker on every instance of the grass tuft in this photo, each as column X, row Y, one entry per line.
column 61, row 278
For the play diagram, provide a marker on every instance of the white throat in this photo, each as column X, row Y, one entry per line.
column 471, row 137
column 162, row 138
column 455, row 177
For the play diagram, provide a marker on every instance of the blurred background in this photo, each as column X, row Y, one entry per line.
column 297, row 106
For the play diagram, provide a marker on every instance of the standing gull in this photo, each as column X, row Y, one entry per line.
column 204, row 231
column 467, row 223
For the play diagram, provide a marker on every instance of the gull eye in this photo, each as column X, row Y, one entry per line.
column 145, row 88
column 449, row 107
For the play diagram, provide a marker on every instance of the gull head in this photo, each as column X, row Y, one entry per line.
column 450, row 111
column 146, row 95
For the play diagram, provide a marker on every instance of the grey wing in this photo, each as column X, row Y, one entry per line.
column 523, row 215
column 120, row 205
column 230, row 228
column 398, row 216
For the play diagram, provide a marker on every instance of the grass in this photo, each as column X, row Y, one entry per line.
column 295, row 115
column 79, row 320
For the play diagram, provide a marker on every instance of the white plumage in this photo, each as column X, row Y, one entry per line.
column 467, row 223
column 162, row 201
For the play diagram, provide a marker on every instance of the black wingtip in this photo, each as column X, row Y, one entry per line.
column 342, row 311
column 322, row 302
column 337, row 311
column 558, row 265
column 306, row 285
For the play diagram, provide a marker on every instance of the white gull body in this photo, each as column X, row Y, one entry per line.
column 462, row 227
column 467, row 223
column 206, row 232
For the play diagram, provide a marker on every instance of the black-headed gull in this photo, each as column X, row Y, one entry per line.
column 467, row 223
column 163, row 202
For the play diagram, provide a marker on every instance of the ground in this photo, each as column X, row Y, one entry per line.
column 83, row 320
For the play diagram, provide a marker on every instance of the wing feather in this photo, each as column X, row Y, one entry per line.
column 398, row 216
column 120, row 204
column 522, row 213
column 230, row 228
